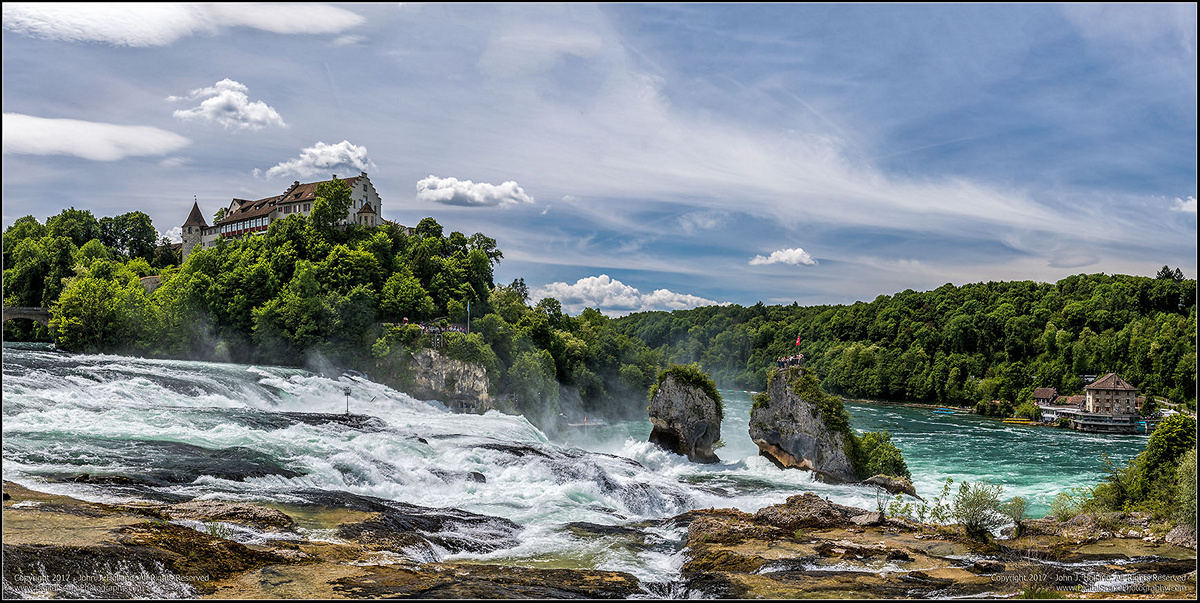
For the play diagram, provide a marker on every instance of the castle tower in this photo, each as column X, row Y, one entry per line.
column 193, row 230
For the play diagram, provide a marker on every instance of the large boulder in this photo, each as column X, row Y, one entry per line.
column 893, row 485
column 790, row 431
column 686, row 419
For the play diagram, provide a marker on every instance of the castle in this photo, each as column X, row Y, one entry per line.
column 244, row 217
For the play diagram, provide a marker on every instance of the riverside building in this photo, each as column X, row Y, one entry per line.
column 1110, row 406
column 244, row 217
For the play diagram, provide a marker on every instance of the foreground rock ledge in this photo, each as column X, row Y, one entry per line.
column 809, row 547
column 60, row 547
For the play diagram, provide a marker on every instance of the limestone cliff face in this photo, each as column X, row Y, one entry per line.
column 449, row 380
column 686, row 420
column 790, row 432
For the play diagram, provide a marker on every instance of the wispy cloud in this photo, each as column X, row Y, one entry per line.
column 693, row 222
column 320, row 159
column 227, row 104
column 613, row 297
column 153, row 24
column 28, row 135
column 794, row 257
column 452, row 191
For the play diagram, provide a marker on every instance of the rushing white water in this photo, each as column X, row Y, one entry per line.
column 235, row 432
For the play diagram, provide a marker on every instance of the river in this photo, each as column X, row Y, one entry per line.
column 186, row 429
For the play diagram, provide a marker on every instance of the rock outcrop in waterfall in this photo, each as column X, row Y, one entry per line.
column 796, row 424
column 686, row 411
column 453, row 381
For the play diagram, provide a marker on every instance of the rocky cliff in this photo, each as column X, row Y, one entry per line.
column 686, row 420
column 790, row 430
column 454, row 382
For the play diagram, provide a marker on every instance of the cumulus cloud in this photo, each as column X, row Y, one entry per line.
column 152, row 24
column 612, row 296
column 28, row 135
column 321, row 158
column 226, row 103
column 175, row 235
column 795, row 257
column 452, row 191
column 1185, row 205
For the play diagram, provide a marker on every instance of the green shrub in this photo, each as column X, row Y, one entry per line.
column 1185, row 490
column 1066, row 505
column 1030, row 411
column 1014, row 510
column 977, row 508
column 878, row 455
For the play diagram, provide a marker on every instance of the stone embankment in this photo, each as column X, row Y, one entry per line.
column 685, row 420
column 789, row 430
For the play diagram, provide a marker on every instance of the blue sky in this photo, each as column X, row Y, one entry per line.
column 642, row 157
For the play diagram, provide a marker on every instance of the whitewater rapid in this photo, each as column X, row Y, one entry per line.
column 186, row 429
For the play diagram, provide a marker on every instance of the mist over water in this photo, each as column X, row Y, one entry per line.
column 259, row 433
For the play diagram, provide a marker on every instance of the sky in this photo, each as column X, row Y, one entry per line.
column 633, row 157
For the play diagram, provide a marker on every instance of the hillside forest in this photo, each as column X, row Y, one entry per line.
column 311, row 292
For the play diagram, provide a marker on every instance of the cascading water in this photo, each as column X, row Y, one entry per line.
column 179, row 430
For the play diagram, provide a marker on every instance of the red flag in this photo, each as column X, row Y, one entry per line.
column 797, row 340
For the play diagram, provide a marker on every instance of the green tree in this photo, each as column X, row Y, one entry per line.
column 332, row 204
column 78, row 225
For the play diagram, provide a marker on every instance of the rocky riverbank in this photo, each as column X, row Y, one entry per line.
column 811, row 548
column 334, row 545
column 340, row 545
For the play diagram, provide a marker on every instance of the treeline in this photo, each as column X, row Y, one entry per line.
column 953, row 345
column 308, row 288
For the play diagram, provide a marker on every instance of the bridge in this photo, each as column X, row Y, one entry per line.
column 41, row 315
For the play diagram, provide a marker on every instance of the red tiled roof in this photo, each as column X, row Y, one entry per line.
column 1071, row 400
column 196, row 218
column 1110, row 381
column 308, row 192
column 296, row 193
column 1044, row 393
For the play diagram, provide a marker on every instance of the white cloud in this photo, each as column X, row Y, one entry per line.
column 28, row 135
column 226, row 103
column 1186, row 206
column 452, row 191
column 175, row 235
column 695, row 221
column 614, row 297
column 321, row 158
column 153, row 24
column 795, row 257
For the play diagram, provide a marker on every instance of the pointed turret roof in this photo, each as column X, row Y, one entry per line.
column 196, row 218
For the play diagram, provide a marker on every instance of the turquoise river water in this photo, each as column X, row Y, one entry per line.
column 262, row 433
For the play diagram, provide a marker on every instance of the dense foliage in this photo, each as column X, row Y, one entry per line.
column 1151, row 481
column 954, row 345
column 308, row 290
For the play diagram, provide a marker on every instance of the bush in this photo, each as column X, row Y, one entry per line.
column 1030, row 411
column 1185, row 490
column 1014, row 510
column 1066, row 505
column 977, row 508
column 878, row 455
